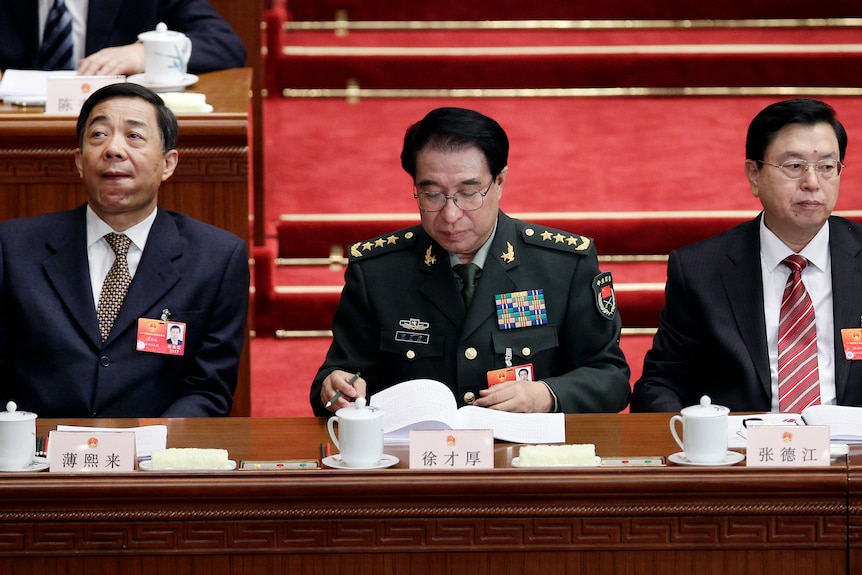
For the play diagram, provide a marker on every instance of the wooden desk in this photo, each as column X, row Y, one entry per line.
column 507, row 520
column 38, row 174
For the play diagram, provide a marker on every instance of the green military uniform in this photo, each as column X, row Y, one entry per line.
column 401, row 317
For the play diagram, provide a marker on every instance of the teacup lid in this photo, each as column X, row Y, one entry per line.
column 705, row 409
column 12, row 413
column 160, row 33
column 359, row 410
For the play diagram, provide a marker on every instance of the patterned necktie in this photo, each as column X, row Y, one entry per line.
column 55, row 53
column 469, row 274
column 116, row 284
column 798, row 378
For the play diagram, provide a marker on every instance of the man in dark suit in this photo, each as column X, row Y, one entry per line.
column 719, row 329
column 57, row 358
column 401, row 316
column 111, row 28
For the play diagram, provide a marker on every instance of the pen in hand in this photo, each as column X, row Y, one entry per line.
column 339, row 392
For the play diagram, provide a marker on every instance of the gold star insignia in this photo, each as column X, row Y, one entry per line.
column 571, row 240
column 378, row 243
column 559, row 238
column 509, row 255
column 354, row 250
column 546, row 235
column 391, row 239
column 367, row 246
column 429, row 258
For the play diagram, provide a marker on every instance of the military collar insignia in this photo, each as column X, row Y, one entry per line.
column 430, row 258
column 509, row 255
column 606, row 298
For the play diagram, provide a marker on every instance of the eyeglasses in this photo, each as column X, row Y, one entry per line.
column 466, row 200
column 798, row 169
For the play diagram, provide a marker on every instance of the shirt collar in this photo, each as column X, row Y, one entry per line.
column 773, row 250
column 97, row 228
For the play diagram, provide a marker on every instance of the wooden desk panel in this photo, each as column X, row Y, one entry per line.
column 38, row 173
column 507, row 520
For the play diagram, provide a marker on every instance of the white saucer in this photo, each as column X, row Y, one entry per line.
column 335, row 462
column 730, row 458
column 38, row 464
column 147, row 465
column 516, row 462
column 141, row 79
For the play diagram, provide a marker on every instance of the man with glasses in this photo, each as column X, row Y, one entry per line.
column 471, row 295
column 766, row 316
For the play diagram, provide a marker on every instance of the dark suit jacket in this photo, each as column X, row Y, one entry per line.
column 52, row 359
column 712, row 335
column 406, row 276
column 215, row 46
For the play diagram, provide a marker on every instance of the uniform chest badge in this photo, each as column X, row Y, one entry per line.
column 606, row 298
column 521, row 309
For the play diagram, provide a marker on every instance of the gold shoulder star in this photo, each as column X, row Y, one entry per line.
column 546, row 235
column 391, row 239
column 379, row 242
column 559, row 238
column 367, row 246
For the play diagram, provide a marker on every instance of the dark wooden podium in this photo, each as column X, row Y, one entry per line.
column 211, row 183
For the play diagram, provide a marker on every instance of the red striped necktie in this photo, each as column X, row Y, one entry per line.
column 798, row 378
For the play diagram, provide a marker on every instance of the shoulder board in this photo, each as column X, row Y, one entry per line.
column 382, row 245
column 555, row 239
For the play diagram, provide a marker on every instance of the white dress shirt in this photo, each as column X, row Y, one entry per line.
column 817, row 278
column 101, row 256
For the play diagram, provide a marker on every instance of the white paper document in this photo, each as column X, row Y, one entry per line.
column 429, row 404
column 27, row 86
column 148, row 438
column 845, row 423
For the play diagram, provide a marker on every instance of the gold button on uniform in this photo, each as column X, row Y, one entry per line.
column 411, row 354
column 526, row 351
column 471, row 353
column 469, row 397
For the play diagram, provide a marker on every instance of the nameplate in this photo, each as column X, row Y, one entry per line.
column 91, row 452
column 66, row 94
column 452, row 449
column 788, row 446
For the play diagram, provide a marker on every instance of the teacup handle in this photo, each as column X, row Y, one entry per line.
column 673, row 421
column 329, row 425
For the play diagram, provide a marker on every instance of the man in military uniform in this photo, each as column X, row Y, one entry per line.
column 529, row 295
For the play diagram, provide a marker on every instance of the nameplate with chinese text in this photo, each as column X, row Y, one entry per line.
column 91, row 452
column 66, row 94
column 451, row 449
column 788, row 446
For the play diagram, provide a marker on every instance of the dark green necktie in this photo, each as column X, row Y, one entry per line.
column 469, row 274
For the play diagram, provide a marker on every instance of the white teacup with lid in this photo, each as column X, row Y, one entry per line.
column 360, row 434
column 704, row 432
column 17, row 438
column 166, row 55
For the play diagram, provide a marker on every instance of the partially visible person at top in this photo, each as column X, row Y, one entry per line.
column 86, row 294
column 472, row 291
column 754, row 317
column 105, row 34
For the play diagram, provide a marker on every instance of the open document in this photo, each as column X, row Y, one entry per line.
column 429, row 404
